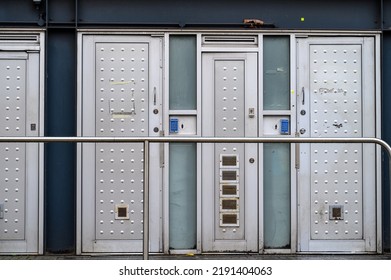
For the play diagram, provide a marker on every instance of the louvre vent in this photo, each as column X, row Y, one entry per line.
column 13, row 38
column 230, row 40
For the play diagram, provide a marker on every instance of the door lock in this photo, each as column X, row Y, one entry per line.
column 302, row 131
column 302, row 112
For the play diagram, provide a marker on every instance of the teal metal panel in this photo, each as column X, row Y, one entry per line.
column 276, row 74
column 183, row 73
column 276, row 203
column 183, row 196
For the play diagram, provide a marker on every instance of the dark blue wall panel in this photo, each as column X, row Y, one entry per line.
column 19, row 12
column 61, row 11
column 386, row 134
column 60, row 118
column 333, row 14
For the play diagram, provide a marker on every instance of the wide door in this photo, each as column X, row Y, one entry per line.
column 336, row 182
column 121, row 96
column 19, row 164
column 229, row 171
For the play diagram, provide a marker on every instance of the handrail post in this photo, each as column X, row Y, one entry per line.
column 146, row 202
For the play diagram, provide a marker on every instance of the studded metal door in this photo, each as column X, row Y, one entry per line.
column 229, row 176
column 126, row 94
column 19, row 94
column 336, row 196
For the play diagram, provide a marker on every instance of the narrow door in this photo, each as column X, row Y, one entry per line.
column 229, row 171
column 337, row 182
column 19, row 165
column 121, row 97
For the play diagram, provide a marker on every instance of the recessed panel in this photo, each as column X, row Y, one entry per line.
column 13, row 155
column 122, row 89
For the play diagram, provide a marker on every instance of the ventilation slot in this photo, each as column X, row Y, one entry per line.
column 230, row 40
column 18, row 38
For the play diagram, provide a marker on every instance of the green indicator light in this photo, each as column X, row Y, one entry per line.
column 302, row 19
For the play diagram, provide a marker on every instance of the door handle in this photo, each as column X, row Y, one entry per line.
column 251, row 112
column 303, row 93
column 154, row 96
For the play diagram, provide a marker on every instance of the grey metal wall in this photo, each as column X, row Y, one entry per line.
column 61, row 19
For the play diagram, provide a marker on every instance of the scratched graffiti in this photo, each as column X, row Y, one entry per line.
column 331, row 90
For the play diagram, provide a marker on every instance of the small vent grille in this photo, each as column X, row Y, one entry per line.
column 230, row 40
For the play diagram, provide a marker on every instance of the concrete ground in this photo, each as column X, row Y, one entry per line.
column 205, row 257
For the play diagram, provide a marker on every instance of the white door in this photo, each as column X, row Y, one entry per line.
column 19, row 164
column 336, row 182
column 229, row 171
column 121, row 96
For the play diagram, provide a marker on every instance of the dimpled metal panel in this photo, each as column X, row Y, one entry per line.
column 335, row 89
column 12, row 156
column 229, row 98
column 336, row 179
column 122, row 110
column 336, row 169
column 229, row 122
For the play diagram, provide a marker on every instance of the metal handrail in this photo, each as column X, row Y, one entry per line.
column 147, row 140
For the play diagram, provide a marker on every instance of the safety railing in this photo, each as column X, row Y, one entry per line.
column 147, row 140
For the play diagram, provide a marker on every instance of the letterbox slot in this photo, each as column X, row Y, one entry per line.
column 229, row 204
column 229, row 190
column 229, row 161
column 229, row 175
column 230, row 219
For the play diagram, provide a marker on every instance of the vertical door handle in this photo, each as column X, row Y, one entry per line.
column 303, row 93
column 154, row 96
column 251, row 112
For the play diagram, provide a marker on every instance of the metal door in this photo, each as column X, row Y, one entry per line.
column 19, row 164
column 336, row 98
column 229, row 171
column 120, row 97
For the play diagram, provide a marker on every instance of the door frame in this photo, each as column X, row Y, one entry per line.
column 250, row 243
column 85, row 241
column 33, row 52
